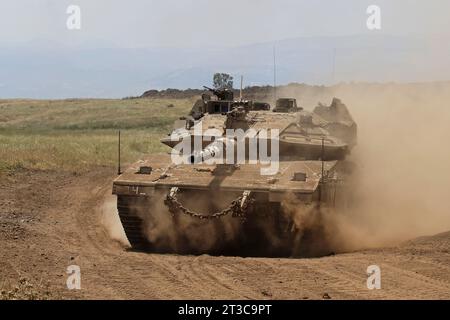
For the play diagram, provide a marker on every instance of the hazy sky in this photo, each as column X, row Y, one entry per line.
column 186, row 23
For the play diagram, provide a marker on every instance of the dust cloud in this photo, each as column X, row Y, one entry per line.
column 401, row 184
column 176, row 233
column 110, row 219
column 184, row 234
column 399, row 189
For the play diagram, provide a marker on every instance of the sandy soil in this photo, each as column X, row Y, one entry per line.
column 50, row 220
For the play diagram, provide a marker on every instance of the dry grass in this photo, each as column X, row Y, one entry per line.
column 77, row 134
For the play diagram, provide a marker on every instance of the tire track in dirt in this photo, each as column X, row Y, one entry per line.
column 67, row 229
column 220, row 282
column 412, row 285
column 139, row 275
column 233, row 277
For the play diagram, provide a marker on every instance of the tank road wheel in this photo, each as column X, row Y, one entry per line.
column 129, row 208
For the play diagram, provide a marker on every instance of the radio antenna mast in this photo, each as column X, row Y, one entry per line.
column 321, row 182
column 119, row 171
column 334, row 67
column 240, row 92
column 274, row 76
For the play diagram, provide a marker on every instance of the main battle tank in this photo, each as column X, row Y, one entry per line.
column 238, row 180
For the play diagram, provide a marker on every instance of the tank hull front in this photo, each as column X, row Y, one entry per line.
column 218, row 209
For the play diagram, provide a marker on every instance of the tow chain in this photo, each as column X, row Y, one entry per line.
column 238, row 208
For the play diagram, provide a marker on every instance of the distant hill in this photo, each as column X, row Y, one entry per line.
column 61, row 72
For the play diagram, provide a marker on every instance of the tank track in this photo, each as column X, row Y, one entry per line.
column 253, row 240
column 128, row 207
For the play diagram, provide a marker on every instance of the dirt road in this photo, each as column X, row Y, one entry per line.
column 50, row 220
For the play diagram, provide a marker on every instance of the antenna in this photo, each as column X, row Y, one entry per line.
column 119, row 172
column 240, row 92
column 321, row 177
column 334, row 66
column 274, row 76
column 323, row 151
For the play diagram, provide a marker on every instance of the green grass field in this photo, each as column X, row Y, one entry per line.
column 77, row 134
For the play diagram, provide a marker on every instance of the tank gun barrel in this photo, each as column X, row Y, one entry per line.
column 216, row 92
column 209, row 89
column 221, row 94
column 213, row 150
